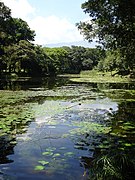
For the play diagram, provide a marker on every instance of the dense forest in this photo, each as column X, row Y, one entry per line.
column 20, row 56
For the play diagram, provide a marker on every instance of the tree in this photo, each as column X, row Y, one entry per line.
column 109, row 62
column 57, row 60
column 19, row 56
column 21, row 31
column 76, row 56
column 91, row 58
column 113, row 23
column 5, row 19
column 12, row 30
column 15, row 47
column 42, row 60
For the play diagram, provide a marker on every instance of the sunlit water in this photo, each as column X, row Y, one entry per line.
column 54, row 129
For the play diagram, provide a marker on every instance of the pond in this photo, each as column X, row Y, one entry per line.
column 56, row 129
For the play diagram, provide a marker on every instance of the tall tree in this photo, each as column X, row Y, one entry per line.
column 20, row 30
column 15, row 45
column 5, row 18
column 113, row 23
column 12, row 30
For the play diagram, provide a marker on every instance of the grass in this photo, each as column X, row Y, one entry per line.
column 100, row 77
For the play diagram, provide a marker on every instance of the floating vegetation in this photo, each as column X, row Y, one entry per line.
column 43, row 162
column 54, row 159
column 56, row 155
column 47, row 153
column 69, row 154
column 39, row 168
column 62, row 130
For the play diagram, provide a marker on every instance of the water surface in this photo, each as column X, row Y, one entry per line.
column 54, row 129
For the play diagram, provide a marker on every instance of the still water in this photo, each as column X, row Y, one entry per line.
column 55, row 129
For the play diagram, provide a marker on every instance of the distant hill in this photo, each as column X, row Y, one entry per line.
column 77, row 43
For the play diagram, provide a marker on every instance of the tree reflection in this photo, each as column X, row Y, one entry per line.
column 6, row 148
column 24, row 83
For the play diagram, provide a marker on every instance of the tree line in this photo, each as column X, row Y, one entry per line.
column 21, row 56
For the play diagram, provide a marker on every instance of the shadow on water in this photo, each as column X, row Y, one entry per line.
column 52, row 129
column 26, row 83
column 6, row 149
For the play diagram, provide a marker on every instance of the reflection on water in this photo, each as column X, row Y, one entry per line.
column 58, row 130
column 27, row 83
column 5, row 149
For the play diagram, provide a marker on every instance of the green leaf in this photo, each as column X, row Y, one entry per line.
column 69, row 154
column 39, row 168
column 127, row 144
column 56, row 155
column 43, row 162
column 47, row 153
column 63, row 148
column 50, row 149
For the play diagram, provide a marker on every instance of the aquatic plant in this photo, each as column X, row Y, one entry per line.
column 113, row 165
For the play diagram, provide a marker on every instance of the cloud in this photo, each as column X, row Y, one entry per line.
column 20, row 8
column 51, row 29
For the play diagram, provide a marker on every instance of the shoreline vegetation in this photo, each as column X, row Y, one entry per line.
column 90, row 76
column 103, row 64
column 95, row 76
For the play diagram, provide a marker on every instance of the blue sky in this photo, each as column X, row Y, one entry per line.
column 53, row 20
column 69, row 9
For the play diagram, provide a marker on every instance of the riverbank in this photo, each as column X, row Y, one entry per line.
column 100, row 77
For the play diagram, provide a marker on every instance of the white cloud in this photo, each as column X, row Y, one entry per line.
column 51, row 29
column 20, row 8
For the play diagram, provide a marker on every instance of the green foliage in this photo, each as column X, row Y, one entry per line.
column 112, row 22
column 101, row 77
column 118, row 161
column 47, row 153
column 72, row 59
column 58, row 60
column 43, row 162
column 21, row 57
column 5, row 20
column 21, row 31
column 18, row 54
column 39, row 168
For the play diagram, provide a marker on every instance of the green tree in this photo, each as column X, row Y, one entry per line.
column 42, row 60
column 109, row 62
column 5, row 18
column 91, row 58
column 20, row 30
column 19, row 56
column 76, row 56
column 57, row 60
column 12, row 30
column 113, row 61
column 15, row 47
column 113, row 23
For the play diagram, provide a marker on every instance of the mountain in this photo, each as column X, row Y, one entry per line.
column 77, row 43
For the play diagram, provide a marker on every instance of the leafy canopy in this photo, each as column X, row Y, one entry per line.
column 113, row 23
